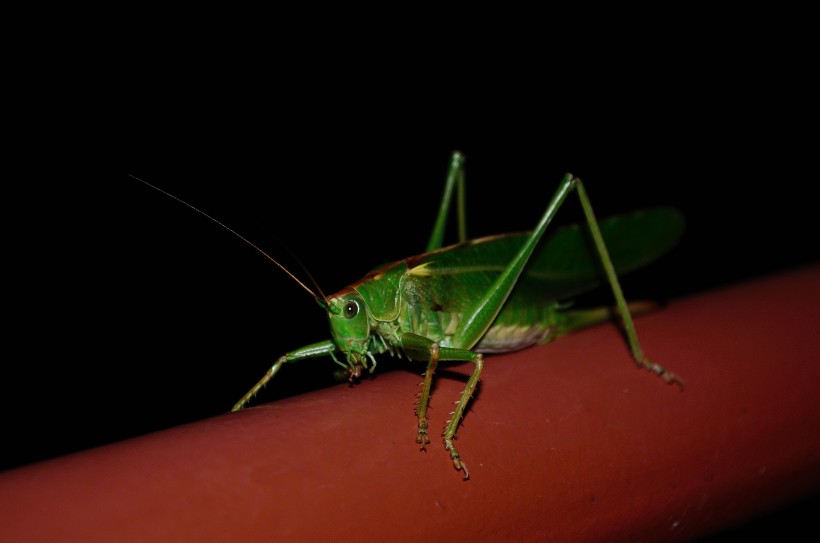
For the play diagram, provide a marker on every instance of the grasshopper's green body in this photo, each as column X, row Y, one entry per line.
column 431, row 294
column 494, row 294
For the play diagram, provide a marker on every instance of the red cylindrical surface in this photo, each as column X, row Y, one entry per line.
column 565, row 442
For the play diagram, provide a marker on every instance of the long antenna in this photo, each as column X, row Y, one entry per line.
column 322, row 299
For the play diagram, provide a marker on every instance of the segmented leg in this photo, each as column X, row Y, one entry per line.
column 323, row 348
column 258, row 386
column 458, row 413
column 623, row 308
column 421, row 348
column 424, row 396
column 455, row 177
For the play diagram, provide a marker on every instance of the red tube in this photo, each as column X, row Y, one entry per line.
column 565, row 442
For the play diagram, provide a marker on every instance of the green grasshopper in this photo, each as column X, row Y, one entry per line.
column 488, row 295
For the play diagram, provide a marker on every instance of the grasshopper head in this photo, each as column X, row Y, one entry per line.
column 350, row 328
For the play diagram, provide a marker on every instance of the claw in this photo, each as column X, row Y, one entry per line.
column 422, row 439
column 667, row 375
column 670, row 378
column 458, row 463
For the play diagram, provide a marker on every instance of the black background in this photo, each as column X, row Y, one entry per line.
column 128, row 313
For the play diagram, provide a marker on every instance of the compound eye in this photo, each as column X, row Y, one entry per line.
column 351, row 309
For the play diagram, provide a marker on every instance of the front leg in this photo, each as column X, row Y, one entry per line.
column 323, row 348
